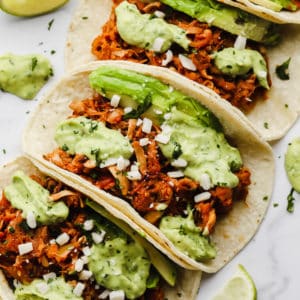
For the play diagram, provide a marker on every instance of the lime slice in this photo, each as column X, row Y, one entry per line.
column 29, row 8
column 239, row 286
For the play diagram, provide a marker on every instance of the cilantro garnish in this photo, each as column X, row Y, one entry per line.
column 282, row 70
column 290, row 203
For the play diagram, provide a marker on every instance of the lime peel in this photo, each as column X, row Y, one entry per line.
column 30, row 8
column 239, row 286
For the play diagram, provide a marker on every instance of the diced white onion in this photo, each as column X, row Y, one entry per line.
column 109, row 162
column 158, row 44
column 86, row 251
column 85, row 259
column 187, row 63
column 25, row 248
column 170, row 183
column 78, row 289
column 163, row 138
column 52, row 242
column 115, row 99
column 147, row 125
column 179, row 163
column 79, row 265
column 159, row 14
column 175, row 174
column 134, row 166
column 134, row 175
column 139, row 122
column 42, row 287
column 104, row 294
column 88, row 225
column 158, row 112
column 62, row 239
column 122, row 163
column 205, row 231
column 166, row 129
column 171, row 89
column 168, row 58
column 117, row 295
column 144, row 142
column 98, row 237
column 30, row 220
column 161, row 206
column 16, row 283
column 202, row 197
column 85, row 275
column 127, row 110
column 205, row 181
column 167, row 116
column 49, row 276
column 240, row 43
column 261, row 73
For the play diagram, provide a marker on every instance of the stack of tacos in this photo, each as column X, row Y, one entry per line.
column 98, row 31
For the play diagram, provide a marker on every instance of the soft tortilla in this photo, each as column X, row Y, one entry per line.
column 272, row 118
column 281, row 17
column 232, row 232
column 187, row 281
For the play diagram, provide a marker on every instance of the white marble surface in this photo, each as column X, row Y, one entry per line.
column 272, row 257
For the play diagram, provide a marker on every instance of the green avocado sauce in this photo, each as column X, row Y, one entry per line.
column 186, row 236
column 29, row 196
column 144, row 30
column 204, row 150
column 235, row 62
column 292, row 163
column 24, row 75
column 119, row 262
column 56, row 288
column 93, row 139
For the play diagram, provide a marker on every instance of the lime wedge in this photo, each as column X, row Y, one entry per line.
column 29, row 8
column 240, row 286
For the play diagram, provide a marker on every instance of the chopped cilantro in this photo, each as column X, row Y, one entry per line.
column 290, row 203
column 265, row 198
column 65, row 147
column 177, row 150
column 275, row 204
column 135, row 113
column 34, row 62
column 53, row 52
column 84, row 18
column 4, row 151
column 266, row 125
column 282, row 70
column 50, row 24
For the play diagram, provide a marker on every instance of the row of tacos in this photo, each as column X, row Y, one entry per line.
column 154, row 151
column 97, row 33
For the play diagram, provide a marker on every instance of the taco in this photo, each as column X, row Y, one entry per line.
column 58, row 244
column 147, row 142
column 223, row 48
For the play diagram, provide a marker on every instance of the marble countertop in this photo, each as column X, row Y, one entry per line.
column 272, row 257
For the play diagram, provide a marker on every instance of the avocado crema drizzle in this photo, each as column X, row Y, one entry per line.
column 183, row 35
column 55, row 244
column 159, row 150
